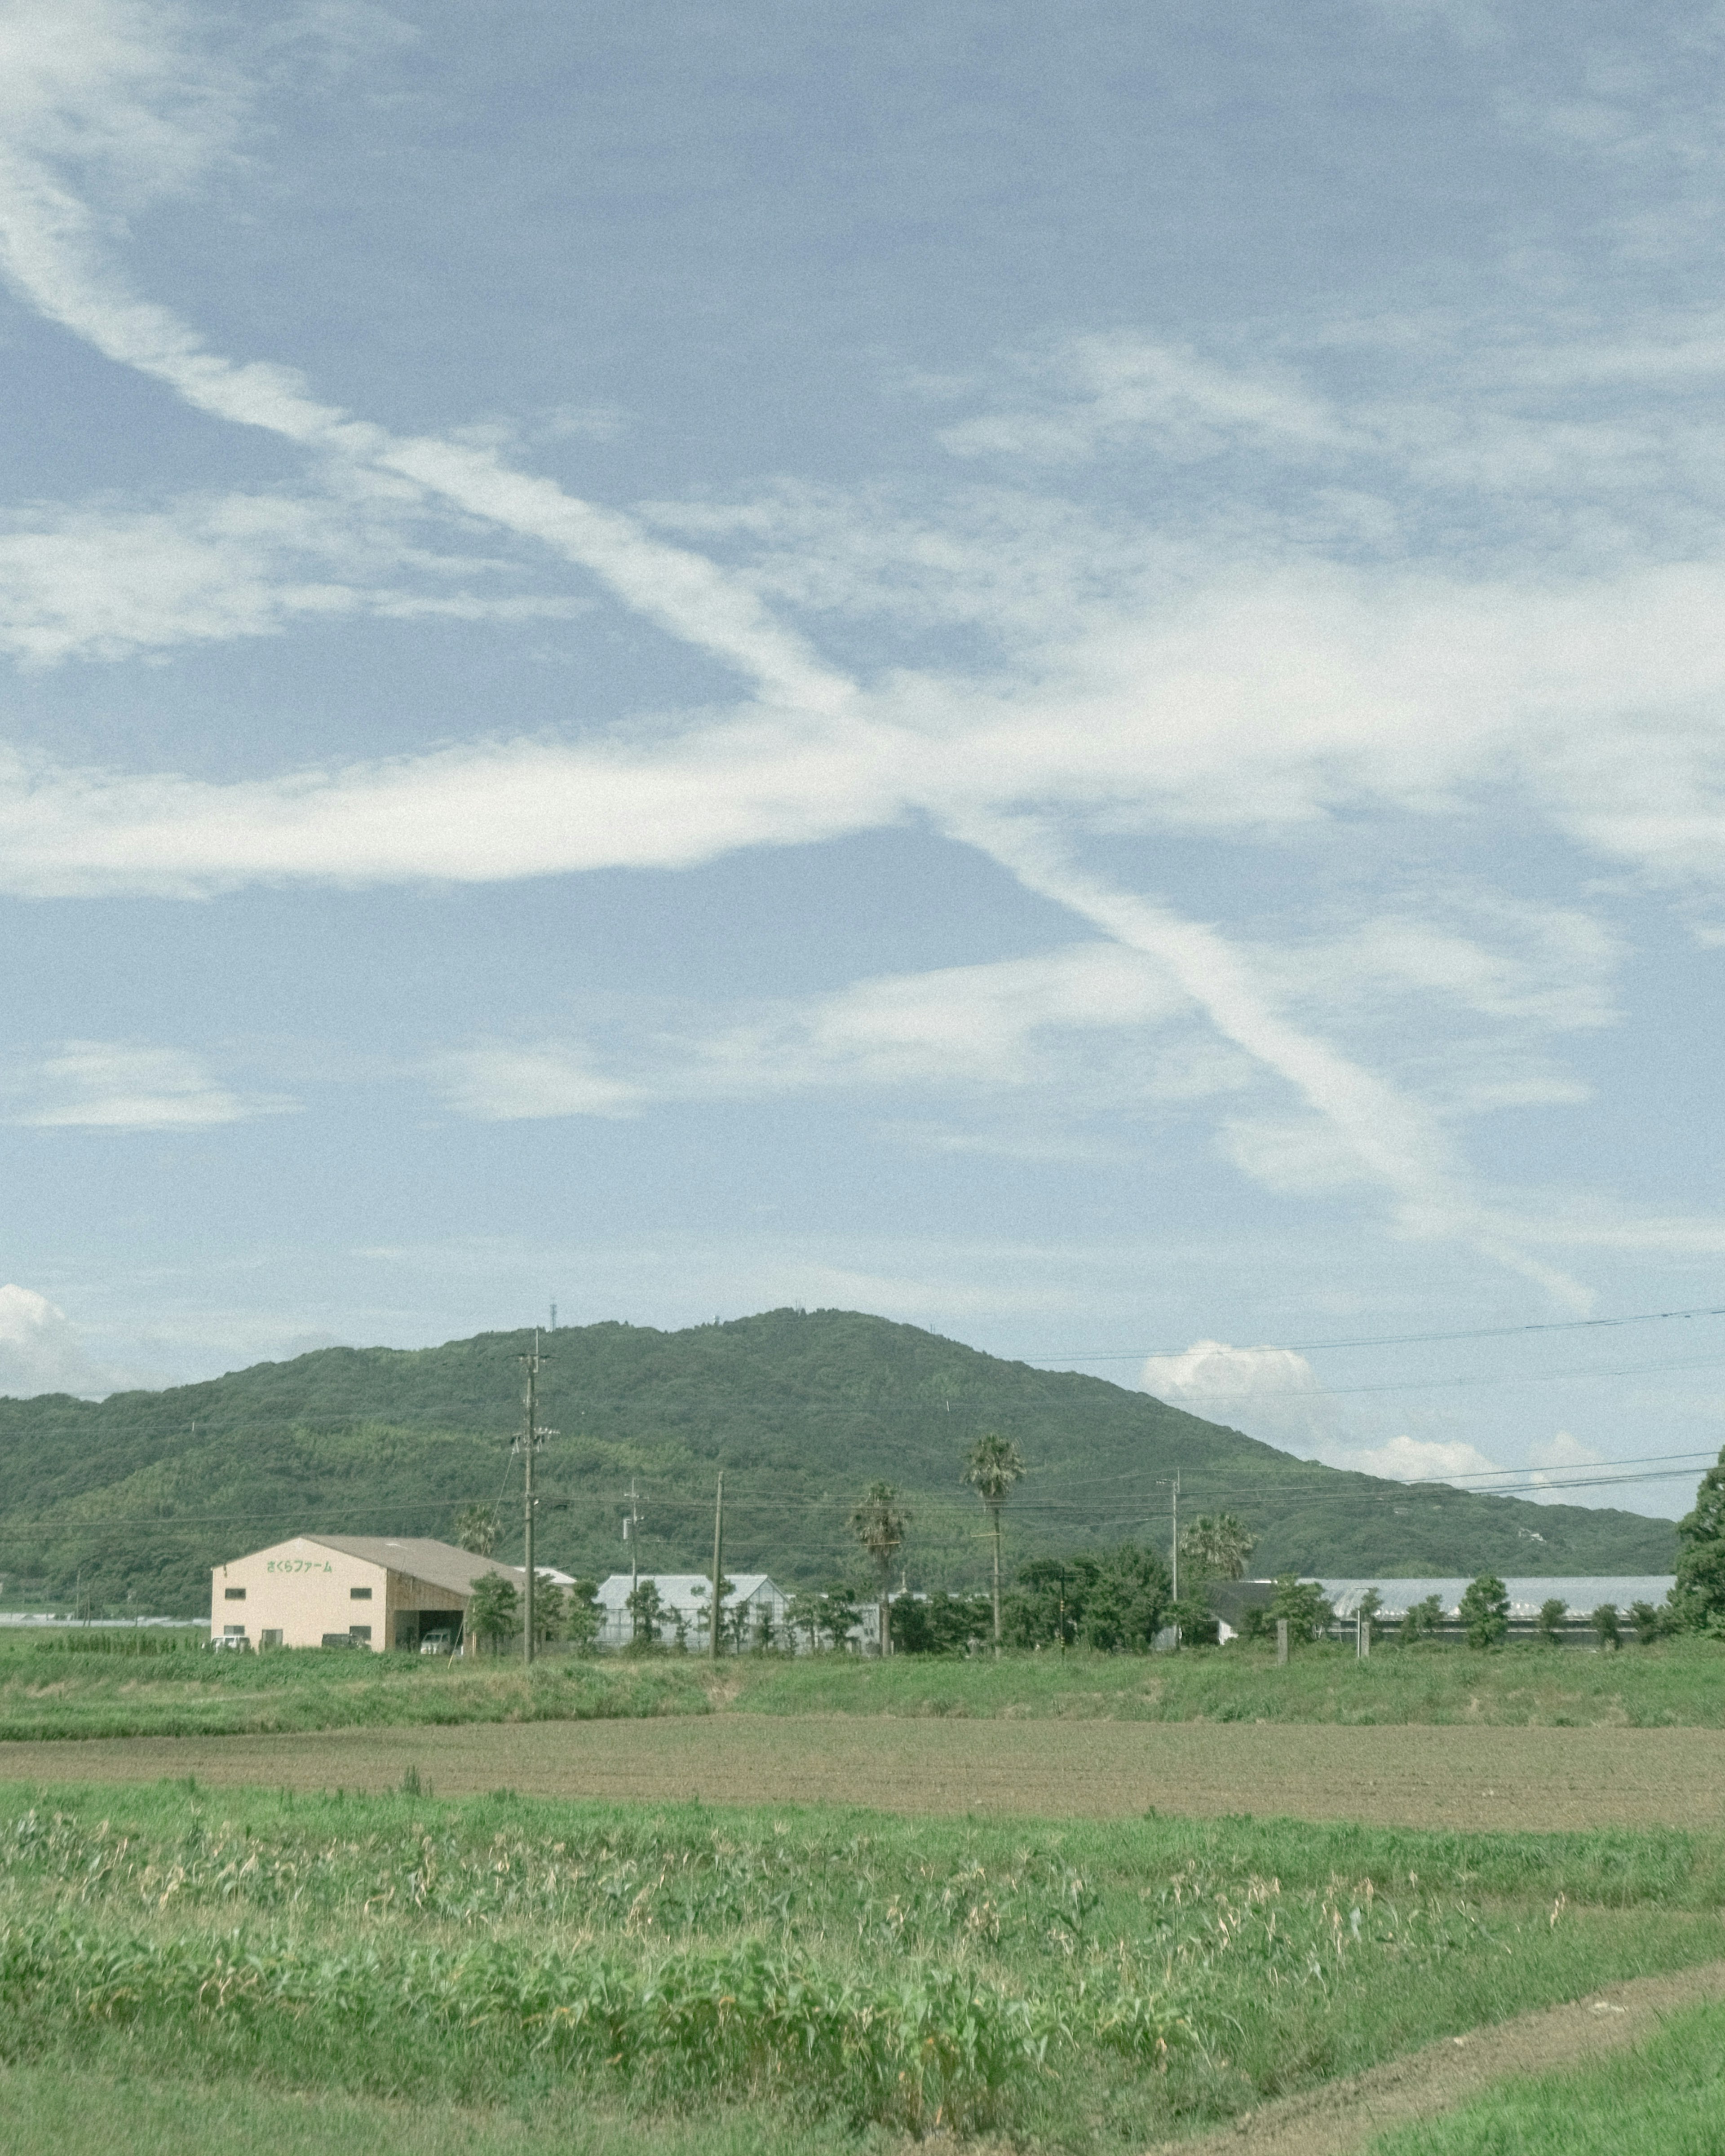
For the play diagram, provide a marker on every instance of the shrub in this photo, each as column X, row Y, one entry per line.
column 942, row 1624
column 494, row 1610
column 1302, row 1602
column 1421, row 1619
column 1118, row 1600
column 1485, row 1611
column 1651, row 1623
column 1554, row 1615
column 1606, row 1625
column 1699, row 1594
column 1198, row 1625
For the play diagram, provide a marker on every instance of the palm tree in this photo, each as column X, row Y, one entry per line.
column 476, row 1529
column 1215, row 1547
column 992, row 1466
column 878, row 1522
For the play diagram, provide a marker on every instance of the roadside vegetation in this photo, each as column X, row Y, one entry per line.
column 1666, row 2099
column 1087, row 1987
column 49, row 1689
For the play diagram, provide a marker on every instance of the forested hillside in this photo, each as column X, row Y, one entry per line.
column 143, row 1492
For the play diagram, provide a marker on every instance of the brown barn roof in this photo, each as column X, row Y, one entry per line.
column 440, row 1564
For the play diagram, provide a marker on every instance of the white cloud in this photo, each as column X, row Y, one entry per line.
column 114, row 89
column 1547, row 966
column 1214, row 1370
column 1239, row 683
column 499, row 1082
column 1274, row 1394
column 1422, row 1460
column 1016, row 1024
column 1551, row 1458
column 104, row 584
column 42, row 1351
column 1271, row 1392
column 1370, row 1131
column 1108, row 387
column 124, row 1085
column 972, row 1026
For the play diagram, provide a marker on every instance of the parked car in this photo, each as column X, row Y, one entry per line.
column 437, row 1642
column 232, row 1643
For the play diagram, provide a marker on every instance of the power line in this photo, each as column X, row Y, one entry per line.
column 1393, row 1339
column 1216, row 1486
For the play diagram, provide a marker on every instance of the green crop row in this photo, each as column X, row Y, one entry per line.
column 932, row 2046
column 1087, row 1986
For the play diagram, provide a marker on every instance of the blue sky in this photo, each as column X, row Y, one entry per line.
column 1053, row 673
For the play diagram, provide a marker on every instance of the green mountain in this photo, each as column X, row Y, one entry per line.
column 140, row 1494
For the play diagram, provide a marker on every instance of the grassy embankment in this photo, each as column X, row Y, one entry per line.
column 47, row 1691
column 398, row 1967
column 1666, row 2099
column 52, row 1691
column 1678, row 1683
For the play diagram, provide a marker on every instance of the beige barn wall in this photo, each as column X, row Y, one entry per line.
column 302, row 1590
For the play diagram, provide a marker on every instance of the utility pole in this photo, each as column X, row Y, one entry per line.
column 553, row 1326
column 1175, row 1547
column 1174, row 1550
column 631, row 1528
column 718, row 1564
column 531, row 1438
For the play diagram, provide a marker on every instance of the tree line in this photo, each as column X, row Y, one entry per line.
column 1118, row 1599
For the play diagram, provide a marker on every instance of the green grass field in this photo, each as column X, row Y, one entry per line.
column 1676, row 1683
column 1666, row 2099
column 690, row 1977
column 49, row 1691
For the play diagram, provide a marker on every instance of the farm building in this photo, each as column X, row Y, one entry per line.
column 688, row 1596
column 377, row 1591
column 1582, row 1596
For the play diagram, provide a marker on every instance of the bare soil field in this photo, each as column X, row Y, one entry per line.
column 1564, row 1779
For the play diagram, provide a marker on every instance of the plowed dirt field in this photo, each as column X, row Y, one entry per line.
column 1405, row 1776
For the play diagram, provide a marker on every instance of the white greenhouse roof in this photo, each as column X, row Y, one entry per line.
column 1583, row 1594
column 685, row 1590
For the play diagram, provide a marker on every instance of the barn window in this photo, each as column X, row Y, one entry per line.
column 235, row 1594
column 362, row 1632
column 359, row 1594
column 270, row 1640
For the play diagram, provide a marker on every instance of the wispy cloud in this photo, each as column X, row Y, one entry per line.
column 125, row 1085
column 1000, row 1028
column 1243, row 680
column 1107, row 388
column 106, row 582
column 505, row 1082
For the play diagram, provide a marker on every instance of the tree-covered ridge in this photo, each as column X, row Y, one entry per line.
column 144, row 1491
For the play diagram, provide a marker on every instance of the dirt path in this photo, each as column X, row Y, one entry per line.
column 1405, row 1776
column 1342, row 2118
